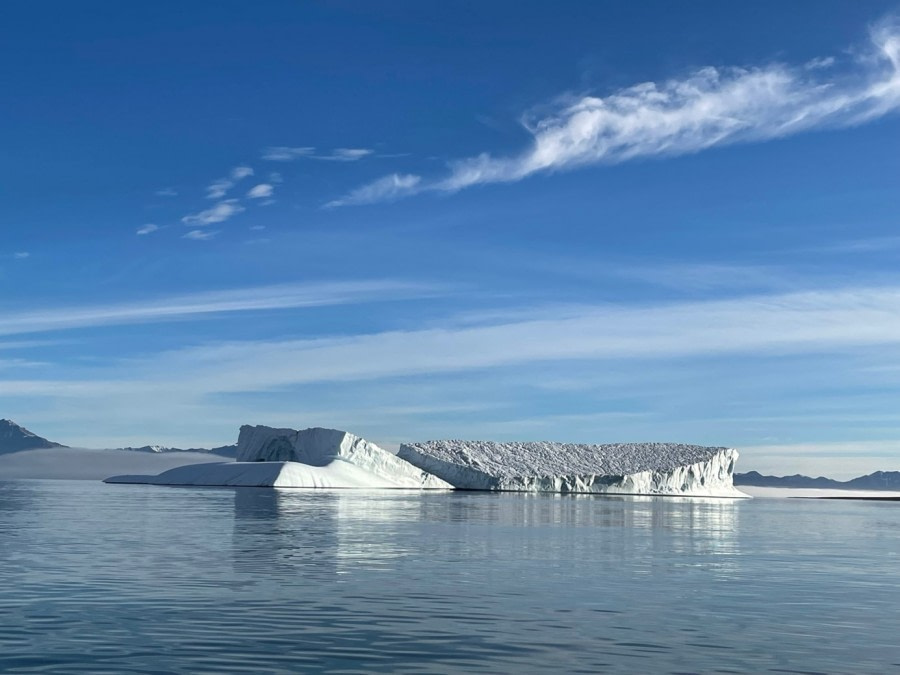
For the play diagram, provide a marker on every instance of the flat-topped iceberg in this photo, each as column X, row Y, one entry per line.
column 620, row 468
column 329, row 458
column 311, row 458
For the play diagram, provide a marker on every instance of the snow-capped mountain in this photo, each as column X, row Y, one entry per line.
column 14, row 438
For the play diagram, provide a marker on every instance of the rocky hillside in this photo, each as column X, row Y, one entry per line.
column 14, row 438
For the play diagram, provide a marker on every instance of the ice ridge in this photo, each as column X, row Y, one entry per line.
column 623, row 468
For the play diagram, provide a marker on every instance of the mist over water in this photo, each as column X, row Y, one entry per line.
column 84, row 464
column 113, row 578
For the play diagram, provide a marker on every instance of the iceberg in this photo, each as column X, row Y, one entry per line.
column 330, row 458
column 620, row 468
column 311, row 458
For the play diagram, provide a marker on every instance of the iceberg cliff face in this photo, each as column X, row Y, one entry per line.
column 622, row 468
column 312, row 458
column 319, row 447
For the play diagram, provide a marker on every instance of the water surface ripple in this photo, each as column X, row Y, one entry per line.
column 141, row 579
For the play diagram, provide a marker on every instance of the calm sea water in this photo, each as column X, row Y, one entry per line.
column 141, row 579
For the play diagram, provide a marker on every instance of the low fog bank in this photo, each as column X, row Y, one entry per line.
column 782, row 492
column 86, row 464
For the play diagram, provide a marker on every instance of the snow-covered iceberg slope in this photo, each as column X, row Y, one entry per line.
column 621, row 468
column 265, row 474
column 312, row 458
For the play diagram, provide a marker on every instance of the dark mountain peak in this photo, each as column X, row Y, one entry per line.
column 14, row 438
column 880, row 480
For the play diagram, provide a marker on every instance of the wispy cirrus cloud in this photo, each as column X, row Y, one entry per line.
column 166, row 192
column 804, row 322
column 384, row 189
column 863, row 245
column 346, row 154
column 146, row 229
column 654, row 357
column 847, row 320
column 215, row 214
column 280, row 296
column 26, row 344
column 708, row 108
column 21, row 255
column 220, row 187
column 283, row 153
column 260, row 191
column 200, row 235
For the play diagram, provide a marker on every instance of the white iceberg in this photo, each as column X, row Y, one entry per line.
column 312, row 458
column 620, row 468
column 329, row 458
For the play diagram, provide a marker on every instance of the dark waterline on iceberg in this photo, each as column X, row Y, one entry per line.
column 108, row 578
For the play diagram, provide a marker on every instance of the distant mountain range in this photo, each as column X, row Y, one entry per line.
column 880, row 480
column 222, row 450
column 14, row 438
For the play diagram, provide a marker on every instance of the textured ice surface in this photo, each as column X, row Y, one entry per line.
column 312, row 458
column 633, row 468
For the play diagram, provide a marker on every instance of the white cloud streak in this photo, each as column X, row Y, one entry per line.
column 804, row 323
column 147, row 229
column 216, row 214
column 260, row 191
column 665, row 355
column 708, row 108
column 200, row 235
column 283, row 153
column 21, row 255
column 842, row 321
column 854, row 246
column 220, row 187
column 345, row 154
column 283, row 296
column 384, row 189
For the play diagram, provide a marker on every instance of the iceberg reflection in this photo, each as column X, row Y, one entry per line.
column 321, row 532
column 334, row 533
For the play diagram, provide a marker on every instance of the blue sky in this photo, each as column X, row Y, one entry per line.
column 587, row 222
